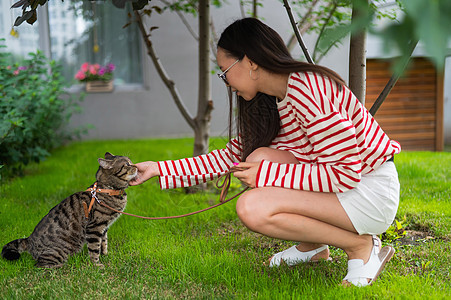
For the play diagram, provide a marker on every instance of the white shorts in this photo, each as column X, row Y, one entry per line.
column 372, row 205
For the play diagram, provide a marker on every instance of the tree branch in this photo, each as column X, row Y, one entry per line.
column 254, row 8
column 163, row 74
column 243, row 13
column 296, row 31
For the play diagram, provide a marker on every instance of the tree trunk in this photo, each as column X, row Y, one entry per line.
column 357, row 59
column 205, row 104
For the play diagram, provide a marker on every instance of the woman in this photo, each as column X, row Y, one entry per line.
column 320, row 166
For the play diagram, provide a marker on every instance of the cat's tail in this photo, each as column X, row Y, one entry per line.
column 12, row 250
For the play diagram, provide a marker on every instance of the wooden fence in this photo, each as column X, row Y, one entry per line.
column 412, row 114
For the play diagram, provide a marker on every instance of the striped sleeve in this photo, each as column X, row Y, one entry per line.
column 200, row 169
column 335, row 164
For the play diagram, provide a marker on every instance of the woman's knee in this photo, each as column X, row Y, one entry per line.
column 273, row 155
column 249, row 211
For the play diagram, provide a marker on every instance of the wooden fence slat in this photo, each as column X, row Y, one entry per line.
column 411, row 113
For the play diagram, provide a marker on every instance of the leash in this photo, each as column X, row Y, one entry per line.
column 224, row 189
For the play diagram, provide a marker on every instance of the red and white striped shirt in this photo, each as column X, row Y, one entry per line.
column 327, row 129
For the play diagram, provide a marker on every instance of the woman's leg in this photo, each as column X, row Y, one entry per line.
column 309, row 217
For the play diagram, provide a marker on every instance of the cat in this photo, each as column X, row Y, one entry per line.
column 70, row 224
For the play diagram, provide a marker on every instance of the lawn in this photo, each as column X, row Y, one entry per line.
column 212, row 255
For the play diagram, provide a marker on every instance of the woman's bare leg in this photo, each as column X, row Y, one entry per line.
column 308, row 217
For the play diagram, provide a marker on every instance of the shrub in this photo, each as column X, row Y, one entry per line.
column 34, row 110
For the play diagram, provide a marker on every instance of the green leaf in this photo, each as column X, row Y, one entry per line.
column 33, row 18
column 140, row 4
column 427, row 21
column 24, row 17
column 398, row 225
column 432, row 26
column 20, row 3
column 333, row 35
column 119, row 3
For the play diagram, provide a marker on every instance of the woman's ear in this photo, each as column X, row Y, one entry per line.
column 250, row 64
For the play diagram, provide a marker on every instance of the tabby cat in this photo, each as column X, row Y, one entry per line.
column 70, row 224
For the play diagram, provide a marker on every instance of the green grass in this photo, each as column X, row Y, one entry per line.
column 211, row 255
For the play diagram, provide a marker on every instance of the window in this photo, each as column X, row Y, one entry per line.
column 80, row 31
column 27, row 40
column 95, row 34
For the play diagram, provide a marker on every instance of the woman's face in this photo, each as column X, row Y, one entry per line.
column 238, row 75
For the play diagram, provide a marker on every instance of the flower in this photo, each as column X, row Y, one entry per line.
column 92, row 72
column 80, row 75
column 17, row 71
column 84, row 67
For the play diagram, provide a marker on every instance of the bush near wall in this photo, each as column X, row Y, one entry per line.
column 34, row 110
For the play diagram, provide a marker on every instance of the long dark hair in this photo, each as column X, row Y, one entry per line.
column 258, row 120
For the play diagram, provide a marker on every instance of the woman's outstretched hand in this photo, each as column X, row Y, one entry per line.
column 246, row 172
column 146, row 170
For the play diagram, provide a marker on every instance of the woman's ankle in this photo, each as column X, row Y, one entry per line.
column 305, row 247
column 361, row 249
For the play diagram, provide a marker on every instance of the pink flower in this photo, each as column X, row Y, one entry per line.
column 110, row 68
column 80, row 75
column 16, row 72
column 89, row 72
column 85, row 67
column 93, row 70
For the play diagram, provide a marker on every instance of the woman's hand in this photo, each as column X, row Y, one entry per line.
column 246, row 172
column 146, row 170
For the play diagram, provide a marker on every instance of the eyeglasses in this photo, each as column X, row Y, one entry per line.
column 223, row 74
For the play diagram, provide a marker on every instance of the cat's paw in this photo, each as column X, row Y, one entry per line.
column 99, row 265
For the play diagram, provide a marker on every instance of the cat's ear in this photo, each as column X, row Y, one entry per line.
column 108, row 155
column 106, row 164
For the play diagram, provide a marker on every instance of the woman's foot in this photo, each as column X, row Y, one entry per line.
column 298, row 254
column 362, row 273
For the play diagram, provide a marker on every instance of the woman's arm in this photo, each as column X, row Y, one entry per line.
column 190, row 171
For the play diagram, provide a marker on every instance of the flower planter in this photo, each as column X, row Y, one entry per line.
column 99, row 86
